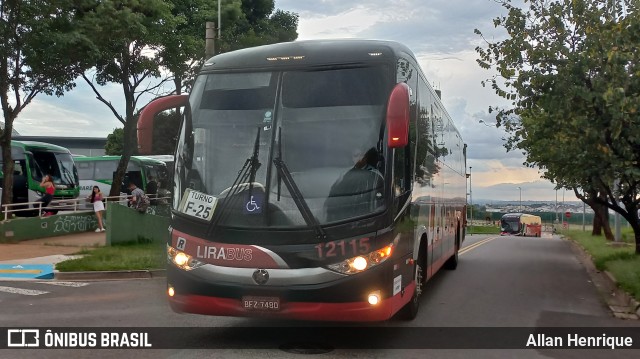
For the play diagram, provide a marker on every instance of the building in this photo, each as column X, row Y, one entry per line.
column 13, row 131
column 85, row 146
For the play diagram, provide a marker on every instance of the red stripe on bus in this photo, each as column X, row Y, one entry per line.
column 223, row 254
column 352, row 311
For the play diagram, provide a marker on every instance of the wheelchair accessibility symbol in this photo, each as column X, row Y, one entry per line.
column 253, row 203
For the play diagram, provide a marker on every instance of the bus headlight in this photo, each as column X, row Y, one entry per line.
column 362, row 262
column 181, row 259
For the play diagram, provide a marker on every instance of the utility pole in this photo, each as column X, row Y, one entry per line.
column 210, row 34
column 470, row 195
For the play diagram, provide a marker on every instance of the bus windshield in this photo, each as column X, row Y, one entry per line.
column 57, row 164
column 325, row 126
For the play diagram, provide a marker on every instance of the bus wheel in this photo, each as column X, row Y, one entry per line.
column 410, row 310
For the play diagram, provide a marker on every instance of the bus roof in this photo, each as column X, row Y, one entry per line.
column 137, row 159
column 42, row 146
column 308, row 53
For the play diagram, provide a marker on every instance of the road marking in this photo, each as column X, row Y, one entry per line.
column 66, row 284
column 475, row 245
column 21, row 291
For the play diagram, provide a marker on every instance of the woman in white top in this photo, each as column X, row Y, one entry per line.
column 98, row 206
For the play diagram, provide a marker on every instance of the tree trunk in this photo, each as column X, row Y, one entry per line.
column 601, row 214
column 597, row 225
column 7, row 161
column 130, row 143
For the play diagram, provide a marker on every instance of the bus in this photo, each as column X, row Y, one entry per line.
column 32, row 161
column 168, row 160
column 100, row 171
column 521, row 224
column 272, row 215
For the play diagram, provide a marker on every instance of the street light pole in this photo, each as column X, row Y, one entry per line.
column 520, row 205
column 470, row 195
column 219, row 20
column 557, row 219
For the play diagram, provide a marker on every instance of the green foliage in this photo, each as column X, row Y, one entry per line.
column 570, row 72
column 245, row 23
column 129, row 256
column 115, row 143
column 627, row 273
column 165, row 132
column 488, row 229
column 41, row 51
column 621, row 261
column 129, row 35
column 258, row 24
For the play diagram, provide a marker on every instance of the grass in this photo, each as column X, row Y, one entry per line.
column 127, row 256
column 619, row 260
column 483, row 230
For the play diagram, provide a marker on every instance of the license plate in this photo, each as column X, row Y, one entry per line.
column 261, row 303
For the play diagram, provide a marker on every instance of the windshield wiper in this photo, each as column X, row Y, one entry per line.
column 66, row 174
column 248, row 171
column 285, row 176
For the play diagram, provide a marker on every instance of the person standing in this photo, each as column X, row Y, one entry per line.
column 49, row 189
column 138, row 199
column 152, row 190
column 98, row 207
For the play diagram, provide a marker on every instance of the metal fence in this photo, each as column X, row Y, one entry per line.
column 27, row 209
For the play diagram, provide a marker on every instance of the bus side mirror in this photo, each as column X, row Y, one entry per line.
column 398, row 116
column 145, row 122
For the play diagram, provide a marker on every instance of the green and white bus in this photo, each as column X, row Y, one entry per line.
column 100, row 171
column 33, row 160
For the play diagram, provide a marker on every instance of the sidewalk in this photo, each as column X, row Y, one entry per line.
column 50, row 250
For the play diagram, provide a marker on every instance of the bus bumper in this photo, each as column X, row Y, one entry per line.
column 315, row 302
column 352, row 312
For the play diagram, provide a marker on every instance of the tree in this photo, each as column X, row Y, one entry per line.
column 130, row 35
column 115, row 143
column 259, row 24
column 245, row 23
column 570, row 70
column 40, row 52
column 165, row 133
column 183, row 50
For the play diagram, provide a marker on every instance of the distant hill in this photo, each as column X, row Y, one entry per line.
column 485, row 202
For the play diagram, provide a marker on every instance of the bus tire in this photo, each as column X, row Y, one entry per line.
column 410, row 310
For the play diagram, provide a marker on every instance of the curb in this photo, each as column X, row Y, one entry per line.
column 110, row 275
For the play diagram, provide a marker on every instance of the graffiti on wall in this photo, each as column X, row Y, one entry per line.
column 71, row 224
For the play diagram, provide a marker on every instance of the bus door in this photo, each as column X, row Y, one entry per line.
column 432, row 235
column 20, row 182
column 131, row 176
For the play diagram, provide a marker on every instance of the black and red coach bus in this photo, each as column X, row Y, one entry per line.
column 316, row 180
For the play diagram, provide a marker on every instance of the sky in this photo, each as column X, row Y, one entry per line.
column 441, row 35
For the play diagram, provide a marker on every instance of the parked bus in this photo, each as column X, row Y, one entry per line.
column 521, row 224
column 168, row 160
column 100, row 171
column 315, row 180
column 33, row 160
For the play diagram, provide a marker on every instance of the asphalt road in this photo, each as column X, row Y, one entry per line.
column 500, row 282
